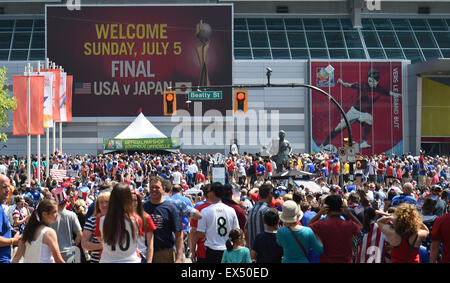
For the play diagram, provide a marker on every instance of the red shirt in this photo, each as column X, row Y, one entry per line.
column 399, row 253
column 201, row 249
column 441, row 233
column 381, row 167
column 390, row 171
column 230, row 166
column 200, row 176
column 269, row 167
column 336, row 235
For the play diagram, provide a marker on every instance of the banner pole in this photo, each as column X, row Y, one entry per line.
column 60, row 122
column 54, row 123
column 39, row 139
column 29, row 125
column 47, row 132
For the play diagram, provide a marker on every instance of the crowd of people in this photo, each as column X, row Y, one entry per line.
column 169, row 208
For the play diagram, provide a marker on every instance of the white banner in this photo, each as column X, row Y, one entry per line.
column 62, row 97
column 48, row 97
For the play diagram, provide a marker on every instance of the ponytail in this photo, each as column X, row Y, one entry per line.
column 235, row 234
column 229, row 245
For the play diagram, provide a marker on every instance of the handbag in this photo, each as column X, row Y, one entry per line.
column 300, row 244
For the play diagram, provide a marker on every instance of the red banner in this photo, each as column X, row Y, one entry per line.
column 69, row 84
column 124, row 57
column 20, row 92
column 370, row 94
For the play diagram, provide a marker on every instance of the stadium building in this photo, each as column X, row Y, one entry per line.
column 386, row 62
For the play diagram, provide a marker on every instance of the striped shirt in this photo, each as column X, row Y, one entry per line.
column 91, row 225
column 255, row 221
column 374, row 247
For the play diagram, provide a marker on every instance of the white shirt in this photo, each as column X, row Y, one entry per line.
column 2, row 169
column 216, row 222
column 121, row 252
column 177, row 177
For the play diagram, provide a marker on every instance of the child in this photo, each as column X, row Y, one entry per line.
column 265, row 248
column 236, row 252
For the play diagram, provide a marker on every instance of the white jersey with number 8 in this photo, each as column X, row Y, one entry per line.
column 216, row 222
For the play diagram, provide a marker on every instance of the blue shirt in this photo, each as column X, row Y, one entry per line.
column 307, row 216
column 187, row 206
column 5, row 231
column 401, row 199
column 291, row 249
column 241, row 255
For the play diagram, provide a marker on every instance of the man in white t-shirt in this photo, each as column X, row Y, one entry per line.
column 217, row 221
column 3, row 167
column 177, row 176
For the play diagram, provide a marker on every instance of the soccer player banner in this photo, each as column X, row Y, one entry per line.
column 124, row 57
column 370, row 93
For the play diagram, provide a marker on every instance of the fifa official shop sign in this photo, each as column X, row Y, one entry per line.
column 370, row 93
column 123, row 57
column 142, row 144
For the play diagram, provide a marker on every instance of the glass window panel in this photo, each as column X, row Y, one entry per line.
column 331, row 24
column 376, row 54
column 315, row 40
column 293, row 24
column 240, row 24
column 6, row 25
column 448, row 22
column 21, row 40
column 371, row 39
column 352, row 39
column 394, row 54
column 347, row 24
column 243, row 53
column 437, row 24
column 278, row 39
column 241, row 39
column 334, row 39
column 24, row 25
column 37, row 54
column 425, row 40
column 443, row 39
column 4, row 54
column 5, row 40
column 281, row 53
column 312, row 24
column 419, row 24
column 431, row 54
column 38, row 40
column 299, row 53
column 407, row 39
column 388, row 39
column 319, row 53
column 275, row 24
column 400, row 24
column 413, row 55
column 261, row 54
column 39, row 25
column 338, row 54
column 382, row 24
column 259, row 39
column 446, row 53
column 256, row 24
column 367, row 24
column 356, row 54
column 296, row 39
column 19, row 55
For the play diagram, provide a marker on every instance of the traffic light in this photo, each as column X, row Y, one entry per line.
column 170, row 102
column 361, row 164
column 240, row 100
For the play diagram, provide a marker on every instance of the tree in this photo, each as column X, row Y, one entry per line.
column 7, row 103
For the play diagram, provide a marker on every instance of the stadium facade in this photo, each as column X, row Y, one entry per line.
column 290, row 38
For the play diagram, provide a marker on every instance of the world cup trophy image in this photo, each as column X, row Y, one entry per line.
column 203, row 33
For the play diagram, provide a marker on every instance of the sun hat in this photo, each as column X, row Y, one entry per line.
column 291, row 212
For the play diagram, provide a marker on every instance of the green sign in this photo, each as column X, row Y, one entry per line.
column 142, row 144
column 205, row 95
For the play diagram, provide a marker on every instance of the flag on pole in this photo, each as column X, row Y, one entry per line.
column 69, row 84
column 49, row 78
column 58, row 174
column 20, row 92
column 55, row 92
column 62, row 98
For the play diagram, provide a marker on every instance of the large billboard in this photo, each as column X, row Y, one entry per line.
column 370, row 94
column 122, row 58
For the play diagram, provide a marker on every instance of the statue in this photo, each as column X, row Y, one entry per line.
column 203, row 33
column 284, row 150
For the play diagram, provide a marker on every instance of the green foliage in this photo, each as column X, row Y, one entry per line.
column 7, row 103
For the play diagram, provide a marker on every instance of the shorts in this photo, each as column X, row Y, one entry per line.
column 164, row 256
column 354, row 115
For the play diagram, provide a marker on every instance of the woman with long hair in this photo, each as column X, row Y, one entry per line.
column 88, row 241
column 39, row 243
column 120, row 228
column 405, row 232
column 145, row 242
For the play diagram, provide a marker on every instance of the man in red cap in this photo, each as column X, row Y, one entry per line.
column 66, row 224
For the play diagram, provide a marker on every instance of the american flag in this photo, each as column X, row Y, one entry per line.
column 58, row 174
column 82, row 88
